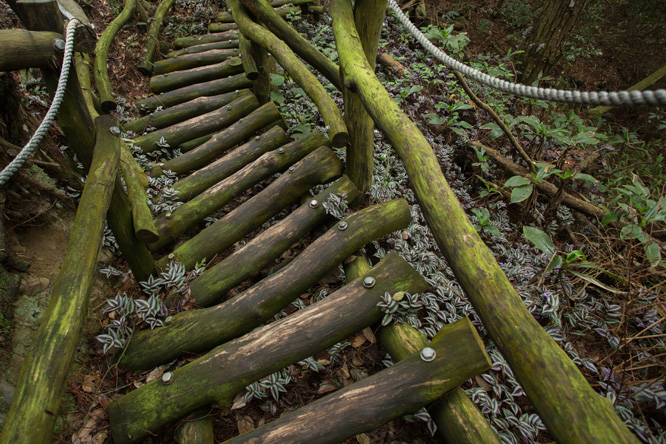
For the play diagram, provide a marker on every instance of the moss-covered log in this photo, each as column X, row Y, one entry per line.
column 394, row 392
column 222, row 27
column 249, row 64
column 189, row 214
column 222, row 168
column 204, row 47
column 261, row 86
column 196, row 429
column 180, row 79
column 82, row 63
column 21, row 49
column 191, row 144
column 153, row 34
column 184, row 42
column 240, row 130
column 226, row 17
column 251, row 214
column 298, row 71
column 102, row 81
column 458, row 420
column 176, row 114
column 41, row 384
column 187, row 93
column 213, row 285
column 260, row 302
column 260, row 353
column 200, row 125
column 279, row 3
column 195, row 60
column 137, row 183
column 369, row 18
column 283, row 30
column 569, row 407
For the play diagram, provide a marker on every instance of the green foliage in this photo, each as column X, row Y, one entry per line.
column 453, row 43
column 483, row 217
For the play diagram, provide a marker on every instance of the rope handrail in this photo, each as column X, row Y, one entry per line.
column 595, row 98
column 29, row 148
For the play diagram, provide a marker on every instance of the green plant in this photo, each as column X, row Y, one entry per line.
column 453, row 122
column 454, row 43
column 483, row 219
column 277, row 80
column 523, row 186
column 407, row 92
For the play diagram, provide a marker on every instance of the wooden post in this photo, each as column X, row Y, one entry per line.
column 41, row 384
column 152, row 44
column 260, row 353
column 569, row 407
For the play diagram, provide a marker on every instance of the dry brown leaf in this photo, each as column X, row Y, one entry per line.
column 156, row 373
column 239, row 402
column 358, row 341
column 88, row 384
column 326, row 388
column 482, row 383
column 363, row 439
column 244, row 423
column 369, row 335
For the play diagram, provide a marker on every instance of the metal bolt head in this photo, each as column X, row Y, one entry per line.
column 241, row 120
column 167, row 378
column 59, row 45
column 169, row 215
column 428, row 354
column 114, row 130
column 292, row 169
column 280, row 150
column 171, row 256
column 257, row 137
column 314, row 203
column 228, row 107
column 342, row 225
column 369, row 282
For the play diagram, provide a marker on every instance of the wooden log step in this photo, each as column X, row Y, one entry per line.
column 189, row 214
column 236, row 133
column 249, row 63
column 262, row 301
column 176, row 114
column 202, row 179
column 187, row 93
column 458, row 420
column 224, row 44
column 180, row 79
column 260, row 353
column 318, row 167
column 191, row 144
column 211, row 287
column 185, row 42
column 221, row 27
column 225, row 16
column 244, row 103
column 393, row 392
column 41, row 383
column 188, row 61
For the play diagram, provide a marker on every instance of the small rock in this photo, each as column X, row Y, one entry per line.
column 33, row 285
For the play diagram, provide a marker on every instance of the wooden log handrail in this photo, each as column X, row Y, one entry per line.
column 22, row 49
column 572, row 411
column 153, row 34
column 260, row 353
column 44, row 373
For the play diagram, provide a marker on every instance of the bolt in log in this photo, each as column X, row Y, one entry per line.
column 260, row 353
column 260, row 302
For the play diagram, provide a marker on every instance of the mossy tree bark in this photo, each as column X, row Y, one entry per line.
column 179, row 79
column 213, row 285
column 249, row 64
column 153, row 34
column 222, row 168
column 184, row 42
column 217, row 196
column 222, row 27
column 187, row 93
column 262, row 301
column 260, row 353
column 137, row 184
column 41, row 384
column 176, row 114
column 244, row 102
column 102, row 81
column 299, row 72
column 318, row 167
column 226, row 17
column 278, row 26
column 204, row 47
column 21, row 49
column 393, row 392
column 193, row 60
column 569, row 407
column 197, row 429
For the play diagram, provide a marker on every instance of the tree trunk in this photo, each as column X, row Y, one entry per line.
column 179, row 113
column 206, row 177
column 251, row 214
column 260, row 353
column 570, row 408
column 543, row 47
column 181, row 95
column 189, row 214
column 297, row 69
column 180, row 79
column 153, row 34
column 235, row 133
column 243, row 104
column 211, row 287
column 44, row 373
column 194, row 60
column 224, row 44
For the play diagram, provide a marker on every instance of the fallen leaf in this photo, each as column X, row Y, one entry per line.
column 369, row 335
column 482, row 383
column 363, row 438
column 358, row 341
column 326, row 388
column 239, row 402
column 245, row 424
column 88, row 384
column 100, row 438
column 156, row 373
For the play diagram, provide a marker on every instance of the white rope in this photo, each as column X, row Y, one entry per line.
column 595, row 98
column 29, row 148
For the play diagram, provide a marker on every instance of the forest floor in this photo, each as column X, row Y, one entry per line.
column 38, row 222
